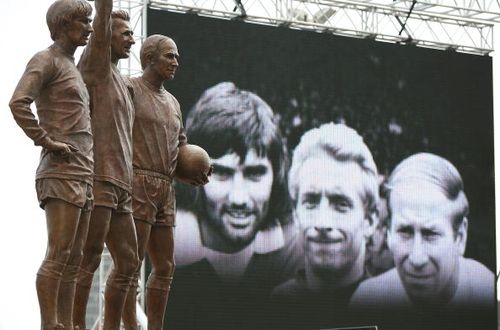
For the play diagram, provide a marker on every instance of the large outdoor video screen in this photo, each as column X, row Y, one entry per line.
column 352, row 184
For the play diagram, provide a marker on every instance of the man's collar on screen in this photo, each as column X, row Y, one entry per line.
column 189, row 247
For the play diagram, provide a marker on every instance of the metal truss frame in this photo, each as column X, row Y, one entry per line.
column 460, row 25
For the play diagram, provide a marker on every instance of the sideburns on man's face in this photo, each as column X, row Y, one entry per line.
column 121, row 39
column 78, row 30
column 237, row 199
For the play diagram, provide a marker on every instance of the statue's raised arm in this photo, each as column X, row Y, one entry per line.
column 94, row 63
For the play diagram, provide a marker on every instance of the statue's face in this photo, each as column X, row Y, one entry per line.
column 121, row 39
column 166, row 61
column 79, row 30
column 237, row 198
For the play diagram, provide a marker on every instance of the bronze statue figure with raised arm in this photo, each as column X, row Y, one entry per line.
column 112, row 115
column 64, row 174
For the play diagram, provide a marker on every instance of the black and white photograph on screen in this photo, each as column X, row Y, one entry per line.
column 391, row 103
column 334, row 190
column 236, row 241
column 427, row 236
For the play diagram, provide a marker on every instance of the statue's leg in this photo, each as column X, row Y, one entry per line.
column 161, row 252
column 122, row 244
column 129, row 317
column 98, row 228
column 62, row 222
column 67, row 288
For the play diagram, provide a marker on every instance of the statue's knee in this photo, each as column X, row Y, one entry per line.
column 159, row 282
column 133, row 265
column 75, row 258
column 170, row 267
column 91, row 263
column 127, row 264
column 167, row 268
column 134, row 283
column 71, row 273
column 85, row 277
column 92, row 253
column 93, row 249
column 58, row 253
column 51, row 269
column 119, row 280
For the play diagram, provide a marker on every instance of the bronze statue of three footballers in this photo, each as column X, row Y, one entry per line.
column 95, row 182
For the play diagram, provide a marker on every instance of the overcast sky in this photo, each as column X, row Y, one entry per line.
column 23, row 234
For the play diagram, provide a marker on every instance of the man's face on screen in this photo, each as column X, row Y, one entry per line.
column 425, row 247
column 331, row 214
column 237, row 200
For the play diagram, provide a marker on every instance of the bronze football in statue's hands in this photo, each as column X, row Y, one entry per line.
column 193, row 165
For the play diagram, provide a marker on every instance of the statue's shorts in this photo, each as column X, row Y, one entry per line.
column 153, row 198
column 75, row 192
column 110, row 195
